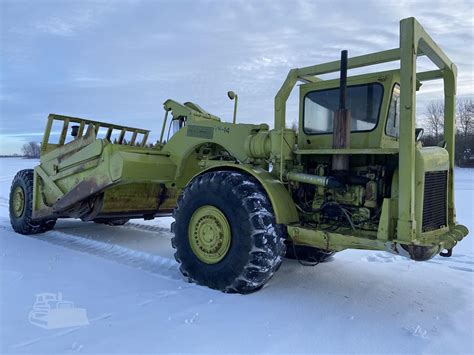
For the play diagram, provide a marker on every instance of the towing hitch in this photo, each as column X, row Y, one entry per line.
column 447, row 253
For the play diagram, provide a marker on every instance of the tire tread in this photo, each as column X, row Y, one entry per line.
column 25, row 224
column 266, row 237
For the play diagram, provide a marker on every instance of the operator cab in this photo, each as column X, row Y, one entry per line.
column 374, row 102
column 182, row 114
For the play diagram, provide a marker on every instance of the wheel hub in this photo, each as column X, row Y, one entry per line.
column 18, row 201
column 209, row 234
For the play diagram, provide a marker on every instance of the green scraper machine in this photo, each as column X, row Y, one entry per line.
column 354, row 175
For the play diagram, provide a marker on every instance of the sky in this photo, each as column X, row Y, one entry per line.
column 118, row 61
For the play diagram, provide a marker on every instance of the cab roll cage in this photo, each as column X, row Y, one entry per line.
column 414, row 42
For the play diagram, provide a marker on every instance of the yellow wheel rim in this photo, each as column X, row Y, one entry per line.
column 209, row 234
column 18, row 201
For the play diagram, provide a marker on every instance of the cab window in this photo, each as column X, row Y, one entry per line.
column 175, row 125
column 364, row 101
column 393, row 120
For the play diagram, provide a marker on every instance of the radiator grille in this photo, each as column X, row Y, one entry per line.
column 435, row 199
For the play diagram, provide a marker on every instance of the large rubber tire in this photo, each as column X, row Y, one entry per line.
column 112, row 222
column 308, row 254
column 22, row 221
column 257, row 241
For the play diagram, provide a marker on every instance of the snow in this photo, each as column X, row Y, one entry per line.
column 136, row 300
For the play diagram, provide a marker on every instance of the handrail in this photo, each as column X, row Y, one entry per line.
column 97, row 125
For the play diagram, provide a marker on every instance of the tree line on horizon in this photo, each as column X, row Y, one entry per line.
column 434, row 125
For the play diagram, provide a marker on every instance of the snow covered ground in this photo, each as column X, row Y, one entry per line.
column 129, row 284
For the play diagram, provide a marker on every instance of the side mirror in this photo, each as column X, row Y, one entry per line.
column 442, row 144
column 418, row 134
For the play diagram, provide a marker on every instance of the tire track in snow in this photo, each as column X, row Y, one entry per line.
column 458, row 268
column 452, row 262
column 4, row 202
column 6, row 178
column 146, row 228
column 457, row 262
column 153, row 263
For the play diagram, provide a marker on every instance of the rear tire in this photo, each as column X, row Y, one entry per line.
column 21, row 206
column 226, row 236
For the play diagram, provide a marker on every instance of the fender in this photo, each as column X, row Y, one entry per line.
column 282, row 203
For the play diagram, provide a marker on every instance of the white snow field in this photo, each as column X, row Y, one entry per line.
column 127, row 281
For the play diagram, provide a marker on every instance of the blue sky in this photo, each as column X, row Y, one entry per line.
column 118, row 61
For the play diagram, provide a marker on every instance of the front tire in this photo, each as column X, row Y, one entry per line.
column 21, row 206
column 226, row 236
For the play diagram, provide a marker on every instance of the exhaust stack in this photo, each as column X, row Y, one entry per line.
column 342, row 123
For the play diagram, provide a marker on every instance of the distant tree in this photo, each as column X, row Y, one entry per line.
column 435, row 118
column 465, row 117
column 464, row 140
column 31, row 150
column 465, row 132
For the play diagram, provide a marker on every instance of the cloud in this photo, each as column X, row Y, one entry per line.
column 55, row 26
column 63, row 19
column 7, row 97
column 122, row 59
column 262, row 63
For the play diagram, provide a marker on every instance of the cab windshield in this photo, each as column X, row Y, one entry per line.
column 363, row 101
column 175, row 125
